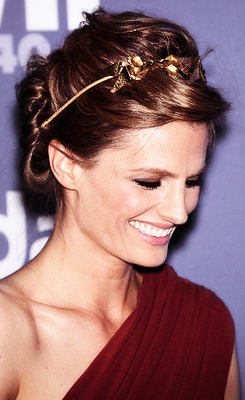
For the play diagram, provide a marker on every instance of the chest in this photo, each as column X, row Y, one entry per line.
column 62, row 350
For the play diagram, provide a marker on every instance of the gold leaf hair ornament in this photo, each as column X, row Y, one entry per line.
column 188, row 68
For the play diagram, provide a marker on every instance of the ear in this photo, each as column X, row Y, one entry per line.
column 61, row 165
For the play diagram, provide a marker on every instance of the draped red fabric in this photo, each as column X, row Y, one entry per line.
column 177, row 344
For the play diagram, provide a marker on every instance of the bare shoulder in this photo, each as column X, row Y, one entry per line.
column 41, row 351
column 16, row 329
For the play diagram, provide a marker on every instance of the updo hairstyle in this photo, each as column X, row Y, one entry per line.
column 99, row 118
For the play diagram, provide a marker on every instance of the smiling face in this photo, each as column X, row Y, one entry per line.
column 126, row 208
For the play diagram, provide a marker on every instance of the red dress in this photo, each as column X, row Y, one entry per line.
column 177, row 344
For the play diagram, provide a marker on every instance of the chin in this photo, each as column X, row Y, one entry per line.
column 148, row 268
column 151, row 262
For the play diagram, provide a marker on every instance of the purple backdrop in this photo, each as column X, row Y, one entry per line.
column 211, row 251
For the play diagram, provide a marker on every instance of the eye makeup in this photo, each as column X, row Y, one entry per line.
column 148, row 184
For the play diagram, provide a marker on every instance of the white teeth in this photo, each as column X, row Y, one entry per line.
column 154, row 232
column 160, row 233
column 150, row 230
column 137, row 224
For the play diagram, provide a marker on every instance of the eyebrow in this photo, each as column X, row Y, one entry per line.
column 164, row 172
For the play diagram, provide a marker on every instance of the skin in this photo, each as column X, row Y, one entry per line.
column 82, row 284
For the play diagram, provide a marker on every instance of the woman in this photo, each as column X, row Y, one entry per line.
column 116, row 127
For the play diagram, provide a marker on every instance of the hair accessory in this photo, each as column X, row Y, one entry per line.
column 78, row 94
column 188, row 68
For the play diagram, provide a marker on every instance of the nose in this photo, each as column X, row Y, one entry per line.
column 173, row 207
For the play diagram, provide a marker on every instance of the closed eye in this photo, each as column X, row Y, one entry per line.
column 193, row 182
column 148, row 184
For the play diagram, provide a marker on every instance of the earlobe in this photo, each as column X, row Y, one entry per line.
column 61, row 164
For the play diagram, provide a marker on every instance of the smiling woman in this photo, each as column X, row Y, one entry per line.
column 115, row 127
column 158, row 154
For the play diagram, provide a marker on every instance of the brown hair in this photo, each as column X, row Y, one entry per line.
column 99, row 119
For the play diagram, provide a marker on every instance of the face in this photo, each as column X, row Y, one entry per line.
column 127, row 207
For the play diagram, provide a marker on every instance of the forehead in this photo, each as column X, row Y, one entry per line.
column 173, row 140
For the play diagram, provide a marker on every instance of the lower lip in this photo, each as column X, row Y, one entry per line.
column 153, row 240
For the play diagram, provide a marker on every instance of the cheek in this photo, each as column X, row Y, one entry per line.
column 126, row 199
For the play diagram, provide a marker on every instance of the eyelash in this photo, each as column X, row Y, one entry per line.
column 191, row 183
column 148, row 184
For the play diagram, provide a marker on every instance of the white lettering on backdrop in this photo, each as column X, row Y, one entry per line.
column 13, row 227
column 37, row 19
column 2, row 4
column 43, row 15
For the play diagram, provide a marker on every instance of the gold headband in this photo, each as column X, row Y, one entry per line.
column 188, row 68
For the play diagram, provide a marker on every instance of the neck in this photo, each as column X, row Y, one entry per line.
column 79, row 278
